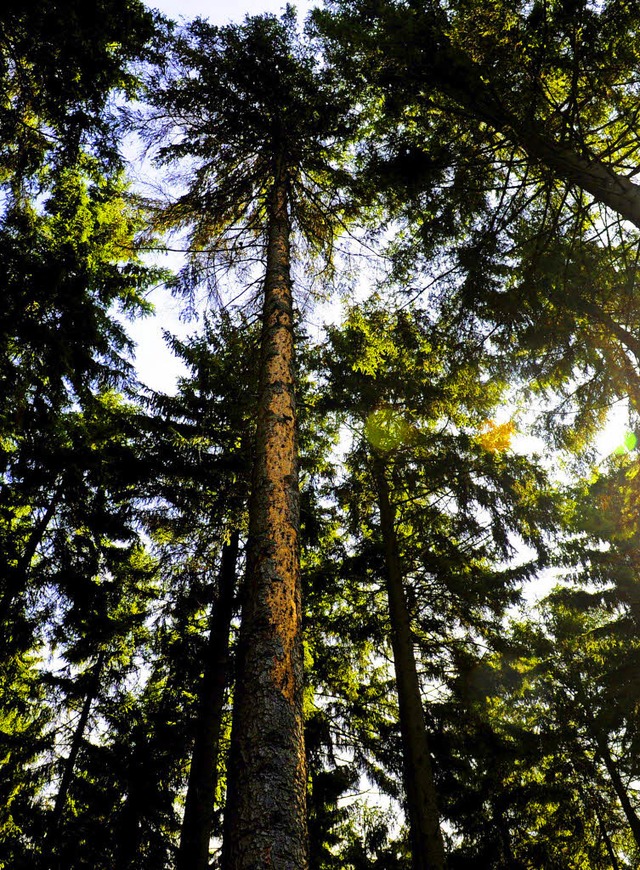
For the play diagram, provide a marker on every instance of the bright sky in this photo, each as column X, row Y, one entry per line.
column 223, row 11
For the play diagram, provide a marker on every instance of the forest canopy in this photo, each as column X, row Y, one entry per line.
column 363, row 591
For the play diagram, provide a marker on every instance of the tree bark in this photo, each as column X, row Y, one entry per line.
column 197, row 822
column 265, row 818
column 426, row 838
column 591, row 801
column 17, row 576
column 70, row 763
column 618, row 785
column 605, row 836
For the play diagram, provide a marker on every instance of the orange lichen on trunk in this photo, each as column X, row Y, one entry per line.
column 266, row 806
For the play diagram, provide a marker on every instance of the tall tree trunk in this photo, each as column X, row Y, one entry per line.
column 203, row 773
column 426, row 838
column 129, row 839
column 591, row 801
column 616, row 781
column 17, row 576
column 502, row 827
column 605, row 836
column 265, row 818
column 70, row 763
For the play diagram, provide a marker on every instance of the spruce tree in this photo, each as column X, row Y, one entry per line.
column 540, row 77
column 264, row 126
column 442, row 505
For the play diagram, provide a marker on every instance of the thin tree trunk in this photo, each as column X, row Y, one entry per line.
column 265, row 818
column 591, row 800
column 505, row 838
column 426, row 838
column 39, row 530
column 627, row 339
column 18, row 576
column 203, row 772
column 605, row 836
column 618, row 785
column 70, row 763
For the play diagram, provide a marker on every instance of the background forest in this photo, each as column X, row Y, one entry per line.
column 357, row 595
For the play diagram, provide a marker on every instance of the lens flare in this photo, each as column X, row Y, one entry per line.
column 629, row 444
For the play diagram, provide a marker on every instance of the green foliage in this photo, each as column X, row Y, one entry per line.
column 59, row 66
column 472, row 133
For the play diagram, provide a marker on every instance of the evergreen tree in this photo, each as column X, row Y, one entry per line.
column 538, row 78
column 498, row 157
column 204, row 452
column 68, row 536
column 391, row 377
column 263, row 124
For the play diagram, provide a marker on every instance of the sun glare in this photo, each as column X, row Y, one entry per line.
column 616, row 436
